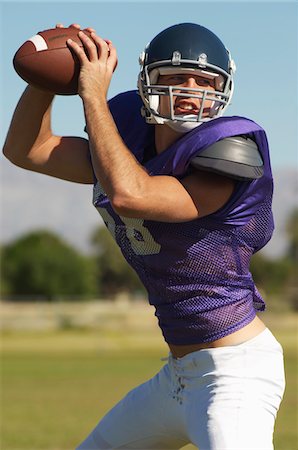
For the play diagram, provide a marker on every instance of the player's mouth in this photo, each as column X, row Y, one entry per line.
column 186, row 107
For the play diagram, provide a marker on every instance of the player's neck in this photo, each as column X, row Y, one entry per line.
column 164, row 137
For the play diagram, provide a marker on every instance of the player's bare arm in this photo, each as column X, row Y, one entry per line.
column 132, row 191
column 31, row 145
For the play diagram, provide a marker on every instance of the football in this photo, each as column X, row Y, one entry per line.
column 45, row 61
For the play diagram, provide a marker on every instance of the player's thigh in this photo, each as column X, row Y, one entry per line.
column 235, row 428
column 140, row 420
column 240, row 397
column 153, row 442
column 90, row 444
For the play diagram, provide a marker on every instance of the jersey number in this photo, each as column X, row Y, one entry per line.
column 140, row 238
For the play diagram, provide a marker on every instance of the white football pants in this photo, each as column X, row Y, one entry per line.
column 222, row 398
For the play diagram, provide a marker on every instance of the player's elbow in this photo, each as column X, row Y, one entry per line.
column 13, row 155
column 6, row 150
column 10, row 153
column 127, row 205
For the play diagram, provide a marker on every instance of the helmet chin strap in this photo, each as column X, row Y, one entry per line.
column 182, row 126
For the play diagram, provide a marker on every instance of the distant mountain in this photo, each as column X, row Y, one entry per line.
column 32, row 201
column 285, row 200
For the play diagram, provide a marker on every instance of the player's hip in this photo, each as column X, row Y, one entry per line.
column 244, row 334
column 212, row 398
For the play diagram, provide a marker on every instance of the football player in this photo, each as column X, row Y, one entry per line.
column 187, row 195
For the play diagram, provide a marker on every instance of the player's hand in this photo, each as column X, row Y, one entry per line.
column 98, row 59
column 75, row 25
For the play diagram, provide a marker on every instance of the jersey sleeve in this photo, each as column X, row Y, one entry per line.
column 248, row 196
column 245, row 202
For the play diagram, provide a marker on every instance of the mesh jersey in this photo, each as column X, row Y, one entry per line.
column 196, row 272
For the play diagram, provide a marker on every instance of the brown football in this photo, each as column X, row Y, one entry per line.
column 45, row 61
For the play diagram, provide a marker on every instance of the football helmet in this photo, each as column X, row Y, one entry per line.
column 185, row 48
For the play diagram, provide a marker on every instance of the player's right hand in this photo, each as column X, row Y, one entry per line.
column 98, row 60
column 76, row 25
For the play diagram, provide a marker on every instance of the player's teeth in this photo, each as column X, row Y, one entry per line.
column 187, row 107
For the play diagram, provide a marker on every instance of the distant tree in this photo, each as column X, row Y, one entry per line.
column 41, row 264
column 280, row 276
column 292, row 231
column 270, row 274
column 4, row 287
column 292, row 284
column 114, row 273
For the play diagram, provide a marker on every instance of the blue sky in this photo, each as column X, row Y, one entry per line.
column 262, row 37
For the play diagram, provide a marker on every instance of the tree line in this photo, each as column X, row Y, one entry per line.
column 41, row 265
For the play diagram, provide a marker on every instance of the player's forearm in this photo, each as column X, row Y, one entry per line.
column 30, row 125
column 122, row 177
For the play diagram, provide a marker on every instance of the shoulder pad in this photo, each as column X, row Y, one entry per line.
column 237, row 157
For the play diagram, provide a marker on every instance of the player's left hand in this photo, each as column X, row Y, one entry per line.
column 98, row 59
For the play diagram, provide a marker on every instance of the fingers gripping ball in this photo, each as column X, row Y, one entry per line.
column 45, row 61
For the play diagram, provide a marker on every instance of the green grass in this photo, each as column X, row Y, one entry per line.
column 57, row 385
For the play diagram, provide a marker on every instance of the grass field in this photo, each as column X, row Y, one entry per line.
column 56, row 385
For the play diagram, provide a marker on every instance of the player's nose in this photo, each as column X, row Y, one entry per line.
column 190, row 82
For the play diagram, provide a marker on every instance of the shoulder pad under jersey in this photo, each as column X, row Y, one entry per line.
column 237, row 157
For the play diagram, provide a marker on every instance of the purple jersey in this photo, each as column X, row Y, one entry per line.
column 196, row 272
